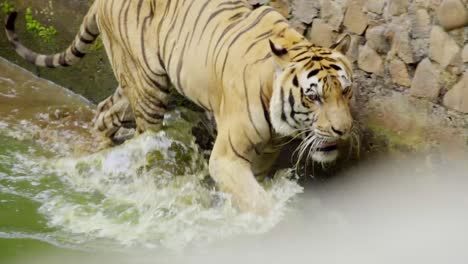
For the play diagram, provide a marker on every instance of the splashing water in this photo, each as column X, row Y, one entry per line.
column 153, row 191
column 149, row 202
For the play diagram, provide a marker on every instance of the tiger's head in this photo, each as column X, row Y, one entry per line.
column 311, row 96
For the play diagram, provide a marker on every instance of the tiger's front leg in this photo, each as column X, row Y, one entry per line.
column 231, row 168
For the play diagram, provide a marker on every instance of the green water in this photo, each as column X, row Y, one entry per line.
column 62, row 194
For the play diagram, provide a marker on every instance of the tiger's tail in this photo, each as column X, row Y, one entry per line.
column 88, row 33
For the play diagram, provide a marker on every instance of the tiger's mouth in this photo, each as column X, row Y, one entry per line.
column 328, row 146
column 319, row 149
column 326, row 152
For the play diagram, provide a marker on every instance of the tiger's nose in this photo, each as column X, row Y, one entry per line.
column 338, row 132
column 341, row 131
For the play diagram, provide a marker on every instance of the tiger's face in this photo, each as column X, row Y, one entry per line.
column 311, row 97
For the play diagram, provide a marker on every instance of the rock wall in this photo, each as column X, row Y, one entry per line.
column 418, row 47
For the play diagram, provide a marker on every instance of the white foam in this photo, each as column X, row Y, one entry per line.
column 147, row 204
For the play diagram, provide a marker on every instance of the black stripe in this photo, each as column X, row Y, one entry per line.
column 49, row 61
column 336, row 67
column 313, row 73
column 259, row 39
column 143, row 49
column 198, row 19
column 220, row 50
column 300, row 53
column 248, row 104
column 317, row 58
column 252, row 144
column 230, row 3
column 179, row 66
column 147, row 115
column 266, row 112
column 161, row 87
column 198, row 102
column 62, row 60
column 252, row 25
column 209, row 43
column 235, row 151
column 168, row 33
column 295, row 81
column 156, row 107
column 164, row 16
column 267, row 56
column 181, row 57
column 301, row 47
column 10, row 24
column 154, row 99
column 86, row 41
column 292, row 102
column 225, row 31
column 283, row 114
column 140, row 4
column 90, row 33
column 76, row 52
column 215, row 14
column 123, row 25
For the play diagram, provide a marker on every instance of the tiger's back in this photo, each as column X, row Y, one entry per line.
column 199, row 45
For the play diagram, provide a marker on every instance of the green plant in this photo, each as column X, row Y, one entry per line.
column 97, row 45
column 7, row 7
column 32, row 25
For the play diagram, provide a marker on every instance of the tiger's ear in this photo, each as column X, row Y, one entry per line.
column 280, row 54
column 343, row 44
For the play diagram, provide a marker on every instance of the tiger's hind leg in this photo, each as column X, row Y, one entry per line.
column 114, row 113
column 148, row 97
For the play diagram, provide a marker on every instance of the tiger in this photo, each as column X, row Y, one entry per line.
column 260, row 78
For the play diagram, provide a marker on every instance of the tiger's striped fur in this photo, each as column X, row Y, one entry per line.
column 259, row 77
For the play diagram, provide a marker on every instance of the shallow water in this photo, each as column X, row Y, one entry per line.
column 150, row 200
column 151, row 192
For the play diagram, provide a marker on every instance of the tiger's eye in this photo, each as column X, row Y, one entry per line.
column 314, row 97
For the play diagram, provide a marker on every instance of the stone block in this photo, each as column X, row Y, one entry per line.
column 305, row 10
column 397, row 7
column 420, row 23
column 321, row 33
column 425, row 83
column 375, row 6
column 376, row 38
column 369, row 60
column 353, row 51
column 281, row 5
column 465, row 53
column 457, row 97
column 452, row 14
column 443, row 48
column 355, row 20
column 401, row 45
column 399, row 73
column 332, row 12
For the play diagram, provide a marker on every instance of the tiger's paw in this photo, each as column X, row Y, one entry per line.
column 258, row 202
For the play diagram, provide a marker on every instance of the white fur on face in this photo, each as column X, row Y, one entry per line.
column 324, row 157
column 310, row 85
column 276, row 104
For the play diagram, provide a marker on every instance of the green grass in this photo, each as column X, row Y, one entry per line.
column 32, row 25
